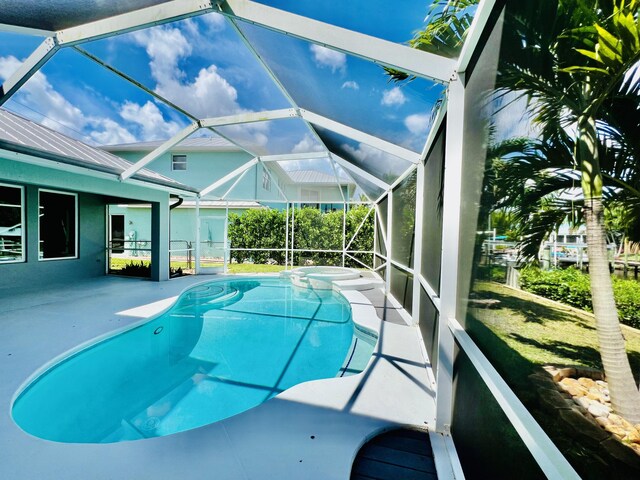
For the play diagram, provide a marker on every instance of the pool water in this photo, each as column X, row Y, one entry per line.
column 223, row 348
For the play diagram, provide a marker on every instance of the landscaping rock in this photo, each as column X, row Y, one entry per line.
column 583, row 402
column 603, row 421
column 552, row 400
column 585, row 428
column 598, row 410
column 587, row 383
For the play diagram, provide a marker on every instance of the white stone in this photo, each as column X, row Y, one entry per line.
column 584, row 402
column 599, row 410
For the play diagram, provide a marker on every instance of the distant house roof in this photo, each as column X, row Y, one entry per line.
column 315, row 177
column 201, row 144
column 20, row 135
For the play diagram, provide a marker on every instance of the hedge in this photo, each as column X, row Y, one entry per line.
column 572, row 287
column 314, row 230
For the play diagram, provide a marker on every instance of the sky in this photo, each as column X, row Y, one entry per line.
column 203, row 66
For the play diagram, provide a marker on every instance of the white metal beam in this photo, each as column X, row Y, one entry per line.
column 135, row 20
column 358, row 171
column 294, row 156
column 4, row 27
column 29, row 67
column 248, row 117
column 360, row 136
column 228, row 177
column 151, row 156
column 383, row 52
column 478, row 24
column 450, row 255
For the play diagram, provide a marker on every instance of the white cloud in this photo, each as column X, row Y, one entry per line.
column 306, row 145
column 109, row 132
column 418, row 123
column 325, row 57
column 39, row 95
column 393, row 97
column 366, row 153
column 215, row 21
column 351, row 84
column 207, row 95
column 150, row 119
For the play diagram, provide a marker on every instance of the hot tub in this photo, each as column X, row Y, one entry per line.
column 319, row 277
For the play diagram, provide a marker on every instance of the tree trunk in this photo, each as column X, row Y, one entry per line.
column 625, row 397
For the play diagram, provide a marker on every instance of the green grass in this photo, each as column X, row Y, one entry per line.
column 530, row 331
column 254, row 268
column 527, row 332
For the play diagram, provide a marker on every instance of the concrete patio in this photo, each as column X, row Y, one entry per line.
column 312, row 430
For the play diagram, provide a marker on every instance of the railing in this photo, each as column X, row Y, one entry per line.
column 181, row 255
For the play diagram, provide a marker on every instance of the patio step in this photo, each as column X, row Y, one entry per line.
column 359, row 284
column 399, row 454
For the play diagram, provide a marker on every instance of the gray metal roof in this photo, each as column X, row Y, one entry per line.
column 18, row 134
column 60, row 14
column 201, row 144
column 313, row 176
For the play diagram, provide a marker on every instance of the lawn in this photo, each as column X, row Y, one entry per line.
column 526, row 332
column 539, row 331
column 119, row 263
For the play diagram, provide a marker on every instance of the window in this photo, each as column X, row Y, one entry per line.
column 178, row 162
column 11, row 224
column 266, row 180
column 309, row 195
column 58, row 237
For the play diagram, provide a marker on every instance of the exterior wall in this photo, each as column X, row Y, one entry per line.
column 203, row 168
column 137, row 220
column 92, row 191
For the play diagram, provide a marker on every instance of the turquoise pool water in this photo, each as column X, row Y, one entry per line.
column 223, row 348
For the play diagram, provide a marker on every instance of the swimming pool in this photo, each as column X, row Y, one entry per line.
column 223, row 347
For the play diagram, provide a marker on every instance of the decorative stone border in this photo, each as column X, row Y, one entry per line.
column 580, row 398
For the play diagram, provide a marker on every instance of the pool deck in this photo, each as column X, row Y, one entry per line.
column 311, row 431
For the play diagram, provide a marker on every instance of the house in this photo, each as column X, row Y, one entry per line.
column 54, row 195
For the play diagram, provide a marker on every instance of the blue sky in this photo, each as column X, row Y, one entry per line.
column 202, row 65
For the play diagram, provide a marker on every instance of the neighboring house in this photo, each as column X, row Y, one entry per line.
column 195, row 161
column 54, row 196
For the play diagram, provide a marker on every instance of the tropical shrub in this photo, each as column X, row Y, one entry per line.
column 572, row 287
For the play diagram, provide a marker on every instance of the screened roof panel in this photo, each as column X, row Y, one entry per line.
column 385, row 166
column 200, row 64
column 59, row 14
column 347, row 89
column 96, row 107
column 369, row 189
column 273, row 137
column 371, row 17
column 14, row 48
column 315, row 180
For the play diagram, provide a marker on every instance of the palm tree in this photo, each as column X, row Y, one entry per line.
column 576, row 63
column 570, row 69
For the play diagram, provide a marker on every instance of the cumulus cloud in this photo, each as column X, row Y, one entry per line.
column 393, row 97
column 306, row 145
column 327, row 58
column 351, row 84
column 109, row 132
column 214, row 21
column 150, row 119
column 40, row 95
column 418, row 123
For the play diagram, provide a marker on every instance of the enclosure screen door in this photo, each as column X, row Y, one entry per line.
column 213, row 244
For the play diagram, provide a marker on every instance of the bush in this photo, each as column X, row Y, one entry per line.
column 314, row 230
column 572, row 287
